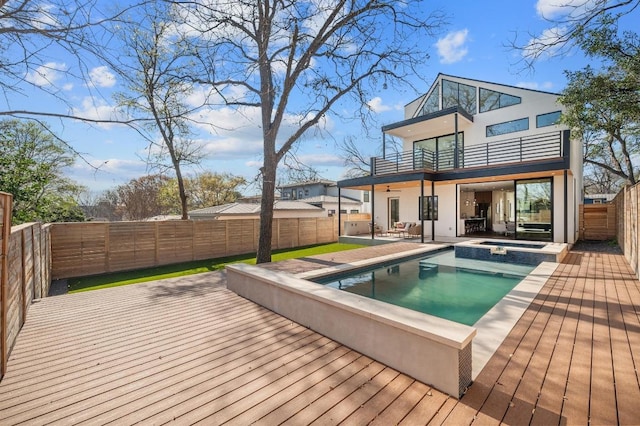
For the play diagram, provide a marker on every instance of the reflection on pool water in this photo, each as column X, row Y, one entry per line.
column 461, row 290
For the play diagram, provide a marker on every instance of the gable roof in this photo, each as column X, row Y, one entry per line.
column 250, row 208
column 477, row 82
column 329, row 199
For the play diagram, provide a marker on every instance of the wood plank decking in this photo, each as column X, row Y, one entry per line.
column 187, row 350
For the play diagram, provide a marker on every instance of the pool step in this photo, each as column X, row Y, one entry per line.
column 427, row 269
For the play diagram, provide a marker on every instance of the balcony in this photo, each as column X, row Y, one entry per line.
column 509, row 151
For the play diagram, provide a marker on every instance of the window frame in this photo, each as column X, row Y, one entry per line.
column 539, row 116
column 524, row 119
column 431, row 207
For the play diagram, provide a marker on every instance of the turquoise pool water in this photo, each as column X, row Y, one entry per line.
column 461, row 290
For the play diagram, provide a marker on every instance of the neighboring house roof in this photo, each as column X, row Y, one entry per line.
column 164, row 217
column 311, row 182
column 250, row 208
column 607, row 197
column 329, row 199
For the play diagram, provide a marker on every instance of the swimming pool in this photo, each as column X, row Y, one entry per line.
column 460, row 290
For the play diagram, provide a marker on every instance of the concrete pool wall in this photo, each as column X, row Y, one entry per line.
column 430, row 349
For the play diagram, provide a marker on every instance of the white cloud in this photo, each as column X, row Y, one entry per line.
column 551, row 9
column 315, row 160
column 451, row 48
column 546, row 85
column 47, row 74
column 547, row 44
column 376, row 105
column 101, row 174
column 94, row 109
column 102, row 77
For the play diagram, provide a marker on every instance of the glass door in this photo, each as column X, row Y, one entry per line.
column 394, row 211
column 534, row 209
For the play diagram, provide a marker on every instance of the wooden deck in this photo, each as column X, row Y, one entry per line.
column 188, row 350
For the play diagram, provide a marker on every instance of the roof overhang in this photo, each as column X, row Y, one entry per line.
column 437, row 123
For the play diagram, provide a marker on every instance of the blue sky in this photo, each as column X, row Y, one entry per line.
column 474, row 44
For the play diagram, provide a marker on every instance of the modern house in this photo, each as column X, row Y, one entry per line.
column 478, row 158
column 324, row 194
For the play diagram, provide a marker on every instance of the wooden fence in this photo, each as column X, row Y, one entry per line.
column 24, row 274
column 598, row 222
column 91, row 248
column 628, row 221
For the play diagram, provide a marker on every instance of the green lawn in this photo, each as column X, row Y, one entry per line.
column 189, row 268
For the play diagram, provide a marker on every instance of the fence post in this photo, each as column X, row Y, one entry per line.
column 5, row 232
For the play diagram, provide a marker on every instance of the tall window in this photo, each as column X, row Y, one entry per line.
column 459, row 94
column 534, row 209
column 428, row 207
column 432, row 104
column 442, row 146
column 490, row 100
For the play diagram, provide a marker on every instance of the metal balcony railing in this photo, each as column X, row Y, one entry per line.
column 517, row 150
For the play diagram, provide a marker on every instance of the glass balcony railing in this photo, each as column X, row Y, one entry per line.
column 516, row 150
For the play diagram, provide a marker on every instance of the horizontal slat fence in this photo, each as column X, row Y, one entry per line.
column 80, row 249
column 598, row 221
column 24, row 273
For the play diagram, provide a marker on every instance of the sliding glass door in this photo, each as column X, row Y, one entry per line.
column 534, row 209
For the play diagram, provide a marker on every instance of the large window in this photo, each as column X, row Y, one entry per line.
column 544, row 120
column 490, row 100
column 534, row 209
column 428, row 207
column 508, row 127
column 432, row 104
column 459, row 94
column 438, row 152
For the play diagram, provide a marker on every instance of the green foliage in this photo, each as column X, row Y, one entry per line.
column 203, row 190
column 603, row 106
column 32, row 161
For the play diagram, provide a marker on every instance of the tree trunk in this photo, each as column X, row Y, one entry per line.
column 266, row 209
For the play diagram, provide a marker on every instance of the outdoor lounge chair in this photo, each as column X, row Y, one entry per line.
column 377, row 229
column 414, row 231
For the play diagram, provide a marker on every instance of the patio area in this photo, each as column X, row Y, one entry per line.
column 187, row 350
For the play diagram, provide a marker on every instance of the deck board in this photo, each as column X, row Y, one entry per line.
column 188, row 350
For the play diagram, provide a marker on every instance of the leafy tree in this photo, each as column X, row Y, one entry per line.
column 204, row 190
column 32, row 162
column 570, row 20
column 603, row 106
column 295, row 61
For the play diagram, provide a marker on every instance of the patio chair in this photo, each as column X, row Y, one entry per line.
column 377, row 229
column 414, row 231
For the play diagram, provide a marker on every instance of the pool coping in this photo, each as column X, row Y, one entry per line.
column 440, row 343
column 494, row 326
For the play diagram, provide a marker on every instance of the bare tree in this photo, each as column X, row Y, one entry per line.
column 296, row 61
column 601, row 181
column 140, row 198
column 31, row 30
column 358, row 163
column 153, row 65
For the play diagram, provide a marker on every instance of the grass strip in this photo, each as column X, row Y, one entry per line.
column 116, row 279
